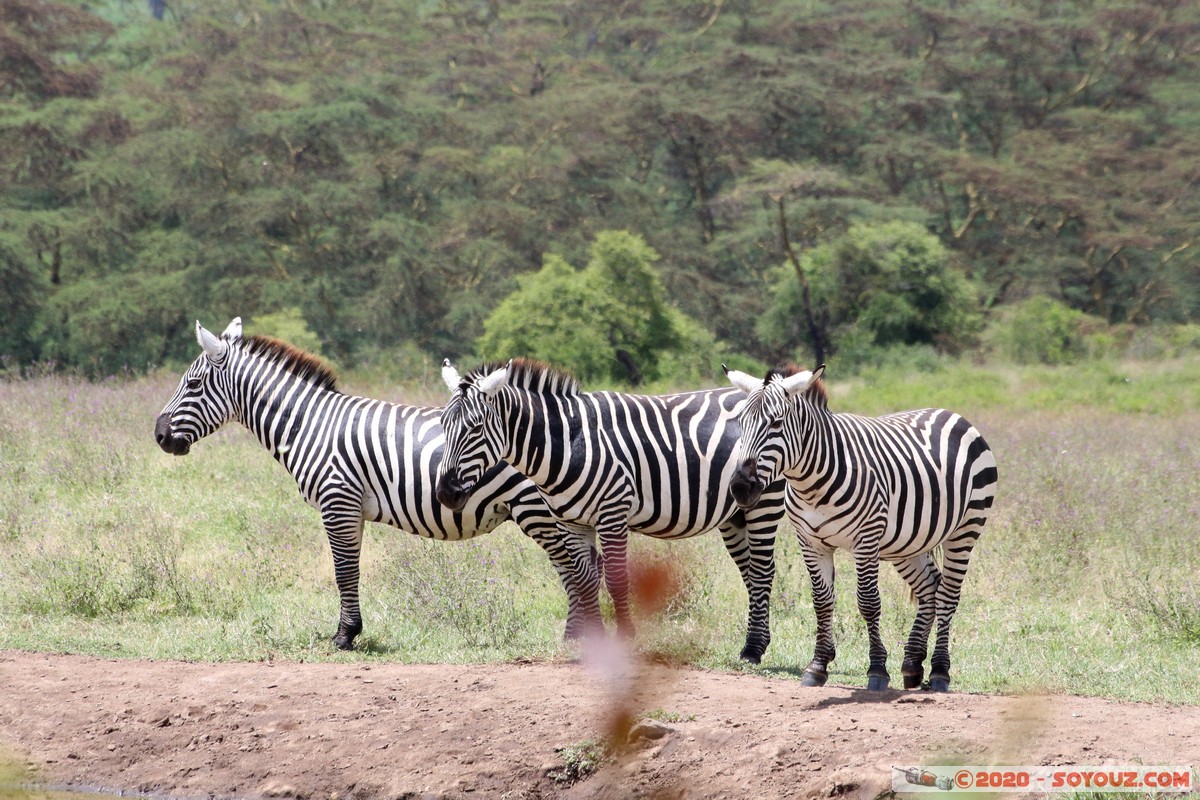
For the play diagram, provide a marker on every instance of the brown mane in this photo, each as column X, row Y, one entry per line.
column 531, row 375
column 302, row 364
column 816, row 392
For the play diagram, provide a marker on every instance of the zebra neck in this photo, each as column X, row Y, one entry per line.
column 820, row 443
column 538, row 436
column 275, row 407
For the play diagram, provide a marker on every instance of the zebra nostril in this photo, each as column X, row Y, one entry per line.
column 162, row 429
column 749, row 469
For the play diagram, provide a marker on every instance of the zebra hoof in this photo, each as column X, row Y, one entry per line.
column 344, row 638
column 913, row 681
column 814, row 678
column 752, row 653
column 939, row 683
column 877, row 683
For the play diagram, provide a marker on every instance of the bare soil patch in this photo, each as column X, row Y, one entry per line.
column 337, row 731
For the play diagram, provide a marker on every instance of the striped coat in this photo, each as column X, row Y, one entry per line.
column 356, row 460
column 891, row 488
column 659, row 466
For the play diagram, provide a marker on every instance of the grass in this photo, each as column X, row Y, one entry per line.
column 579, row 761
column 1087, row 580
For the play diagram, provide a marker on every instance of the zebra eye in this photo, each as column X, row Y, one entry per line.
column 193, row 383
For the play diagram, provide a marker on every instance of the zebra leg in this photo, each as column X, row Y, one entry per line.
column 753, row 550
column 869, row 605
column 819, row 561
column 572, row 552
column 956, row 555
column 613, row 545
column 922, row 576
column 344, row 529
column 578, row 566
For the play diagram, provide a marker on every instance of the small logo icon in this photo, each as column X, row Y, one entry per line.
column 923, row 777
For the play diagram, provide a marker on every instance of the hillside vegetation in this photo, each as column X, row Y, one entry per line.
column 800, row 178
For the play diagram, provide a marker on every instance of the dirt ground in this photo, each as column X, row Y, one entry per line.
column 336, row 731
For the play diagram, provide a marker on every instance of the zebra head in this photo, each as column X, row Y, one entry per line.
column 770, row 423
column 474, row 436
column 202, row 401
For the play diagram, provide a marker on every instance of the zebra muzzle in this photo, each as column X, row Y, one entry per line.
column 166, row 438
column 745, row 486
column 451, row 491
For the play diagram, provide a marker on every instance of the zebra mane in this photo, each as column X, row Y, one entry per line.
column 530, row 375
column 815, row 393
column 302, row 364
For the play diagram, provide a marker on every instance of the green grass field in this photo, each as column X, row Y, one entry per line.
column 1087, row 581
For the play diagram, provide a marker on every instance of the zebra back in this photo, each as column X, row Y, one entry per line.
column 378, row 456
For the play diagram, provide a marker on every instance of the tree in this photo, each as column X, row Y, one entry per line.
column 21, row 290
column 608, row 321
column 894, row 283
column 387, row 170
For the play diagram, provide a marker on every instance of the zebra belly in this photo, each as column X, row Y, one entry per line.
column 435, row 521
column 907, row 544
column 825, row 532
column 824, row 528
column 643, row 520
column 589, row 516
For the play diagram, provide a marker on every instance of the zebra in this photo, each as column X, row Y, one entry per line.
column 894, row 488
column 358, row 459
column 660, row 466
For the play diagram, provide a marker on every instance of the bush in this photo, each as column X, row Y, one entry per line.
column 1041, row 330
column 858, row 351
column 607, row 322
column 287, row 324
column 1172, row 610
column 1162, row 341
column 876, row 286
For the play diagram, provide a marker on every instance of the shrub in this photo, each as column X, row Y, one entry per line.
column 289, row 325
column 697, row 356
column 608, row 322
column 1173, row 611
column 1040, row 330
column 579, row 761
column 877, row 286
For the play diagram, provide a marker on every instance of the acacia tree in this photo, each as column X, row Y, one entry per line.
column 391, row 170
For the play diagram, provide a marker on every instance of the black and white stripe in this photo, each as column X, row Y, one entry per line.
column 617, row 463
column 893, row 488
column 357, row 459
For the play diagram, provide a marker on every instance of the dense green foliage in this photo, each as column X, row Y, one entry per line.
column 610, row 321
column 877, row 285
column 393, row 170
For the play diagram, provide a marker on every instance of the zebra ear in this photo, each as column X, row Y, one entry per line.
column 450, row 375
column 233, row 331
column 490, row 384
column 216, row 348
column 741, row 380
column 798, row 383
